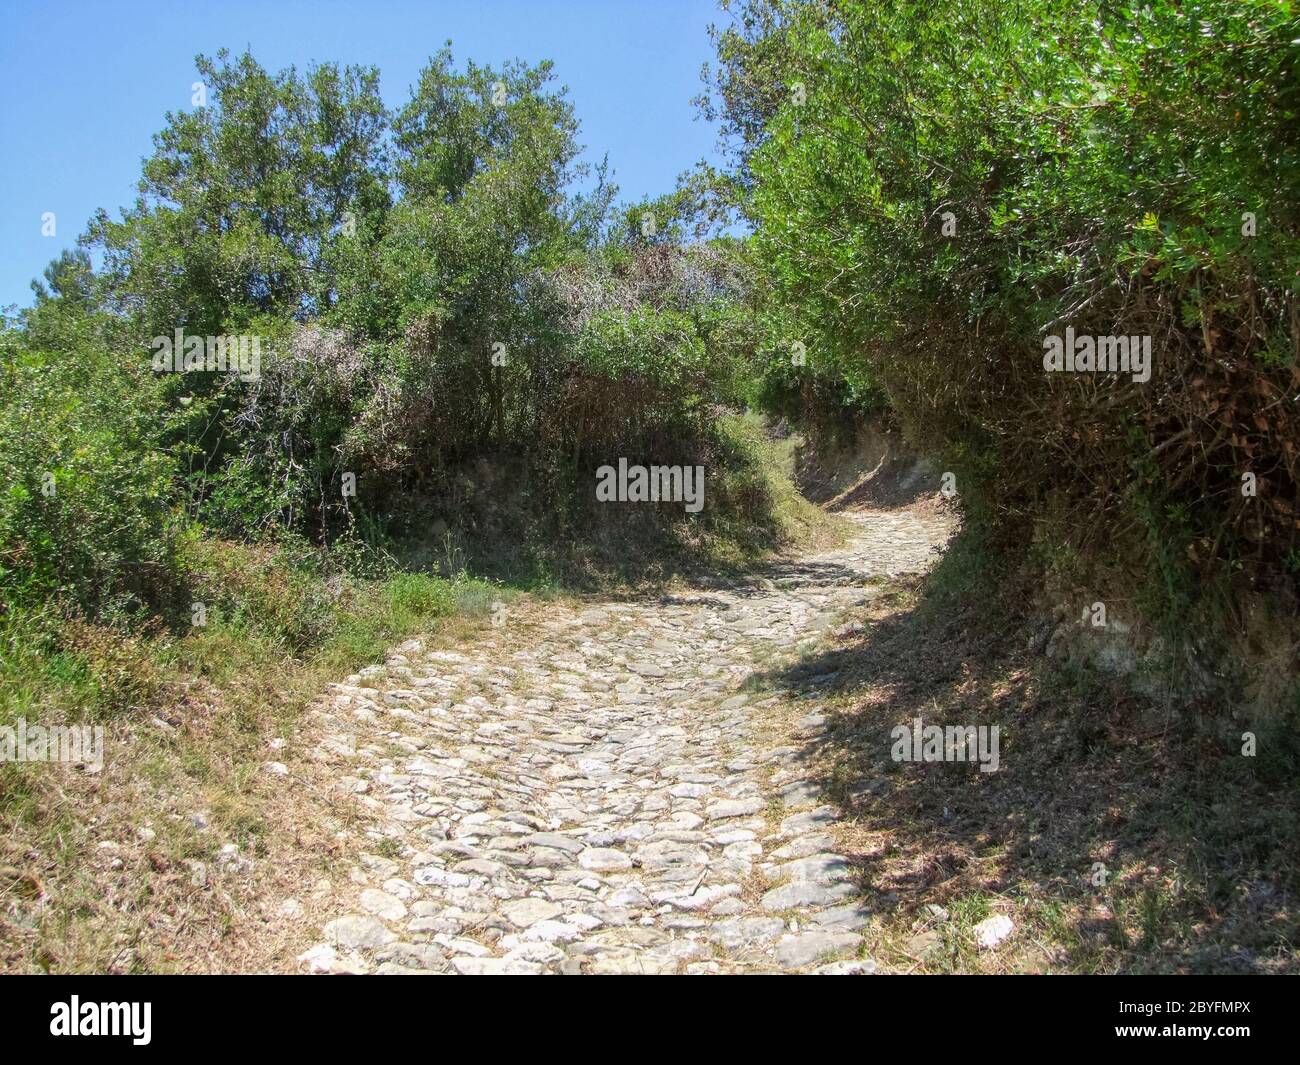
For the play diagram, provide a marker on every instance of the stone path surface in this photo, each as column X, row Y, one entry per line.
column 585, row 788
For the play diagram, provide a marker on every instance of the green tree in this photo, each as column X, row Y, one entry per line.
column 241, row 198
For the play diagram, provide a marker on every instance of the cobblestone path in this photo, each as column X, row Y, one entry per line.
column 588, row 789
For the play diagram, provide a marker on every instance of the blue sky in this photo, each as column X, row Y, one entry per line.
column 84, row 85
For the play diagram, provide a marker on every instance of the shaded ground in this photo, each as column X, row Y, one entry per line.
column 880, row 471
column 1116, row 835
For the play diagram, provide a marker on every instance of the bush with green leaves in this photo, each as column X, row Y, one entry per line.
column 87, row 495
column 937, row 187
column 432, row 299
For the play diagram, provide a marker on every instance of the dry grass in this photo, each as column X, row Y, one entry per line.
column 1117, row 835
column 128, row 869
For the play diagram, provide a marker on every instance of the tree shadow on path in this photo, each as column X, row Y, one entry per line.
column 1118, row 836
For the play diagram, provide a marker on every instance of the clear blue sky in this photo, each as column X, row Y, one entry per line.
column 84, row 85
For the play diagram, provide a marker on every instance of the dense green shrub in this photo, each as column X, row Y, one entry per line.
column 935, row 188
column 86, row 492
column 443, row 325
